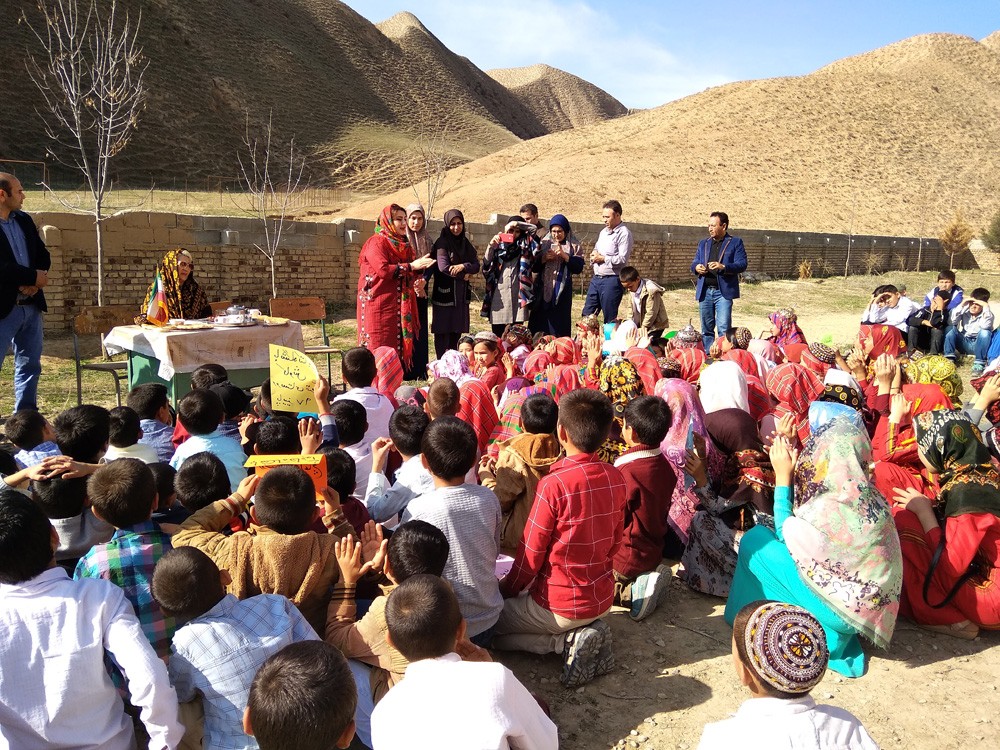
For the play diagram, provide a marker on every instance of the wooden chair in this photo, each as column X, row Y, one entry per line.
column 98, row 321
column 303, row 309
column 220, row 306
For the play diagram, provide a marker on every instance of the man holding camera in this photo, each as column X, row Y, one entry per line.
column 610, row 254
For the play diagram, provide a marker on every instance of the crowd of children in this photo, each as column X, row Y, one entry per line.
column 150, row 584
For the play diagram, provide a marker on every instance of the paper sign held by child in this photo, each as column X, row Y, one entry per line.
column 293, row 377
column 314, row 465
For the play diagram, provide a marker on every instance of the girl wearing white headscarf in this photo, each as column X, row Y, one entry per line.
column 723, row 386
column 421, row 242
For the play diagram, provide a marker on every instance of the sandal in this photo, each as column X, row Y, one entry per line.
column 965, row 630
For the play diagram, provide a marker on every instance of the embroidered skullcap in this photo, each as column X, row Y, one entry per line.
column 786, row 647
column 486, row 336
column 589, row 323
column 842, row 394
column 669, row 366
column 689, row 333
column 823, row 353
column 742, row 336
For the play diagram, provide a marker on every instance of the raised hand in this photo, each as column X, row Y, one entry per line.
column 783, row 457
column 373, row 545
column 310, row 436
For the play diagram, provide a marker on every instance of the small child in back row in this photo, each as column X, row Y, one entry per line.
column 201, row 413
column 222, row 641
column 521, row 463
column 33, row 437
column 406, row 431
column 780, row 654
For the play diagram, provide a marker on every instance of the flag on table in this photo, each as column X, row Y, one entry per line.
column 157, row 312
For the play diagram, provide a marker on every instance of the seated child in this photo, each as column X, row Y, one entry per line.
column 277, row 437
column 67, row 699
column 467, row 346
column 203, row 377
column 303, row 698
column 446, row 702
column 82, row 432
column 352, row 423
column 522, row 461
column 341, row 477
column 124, row 436
column 201, row 481
column 222, row 641
column 640, row 576
column 562, row 581
column 780, row 654
column 150, row 402
column 33, row 437
column 469, row 516
column 67, row 507
column 123, row 494
column 486, row 363
column 415, row 547
column 235, row 402
column 168, row 509
column 358, row 367
column 443, row 399
column 279, row 554
column 201, row 413
column 406, row 431
column 970, row 330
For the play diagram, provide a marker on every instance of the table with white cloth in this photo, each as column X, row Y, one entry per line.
column 169, row 356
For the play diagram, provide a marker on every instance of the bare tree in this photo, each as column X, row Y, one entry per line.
column 271, row 182
column 90, row 73
column 431, row 164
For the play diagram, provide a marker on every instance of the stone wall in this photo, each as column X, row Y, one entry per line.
column 320, row 259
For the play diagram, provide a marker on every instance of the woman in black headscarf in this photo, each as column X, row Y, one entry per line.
column 456, row 259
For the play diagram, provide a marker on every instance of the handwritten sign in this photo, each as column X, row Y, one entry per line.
column 293, row 377
column 314, row 465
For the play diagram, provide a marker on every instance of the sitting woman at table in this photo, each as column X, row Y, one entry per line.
column 185, row 297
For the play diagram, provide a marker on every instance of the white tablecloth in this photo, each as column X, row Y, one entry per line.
column 185, row 351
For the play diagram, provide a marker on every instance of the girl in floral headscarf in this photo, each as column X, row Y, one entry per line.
column 620, row 382
column 951, row 541
column 185, row 298
column 785, row 328
column 387, row 302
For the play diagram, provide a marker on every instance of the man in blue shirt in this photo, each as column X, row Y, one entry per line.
column 24, row 265
column 718, row 263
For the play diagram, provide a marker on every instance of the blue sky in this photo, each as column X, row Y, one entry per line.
column 647, row 53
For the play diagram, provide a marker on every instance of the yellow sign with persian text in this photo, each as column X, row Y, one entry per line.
column 293, row 377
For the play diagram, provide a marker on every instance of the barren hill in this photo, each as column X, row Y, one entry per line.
column 361, row 99
column 559, row 99
column 892, row 141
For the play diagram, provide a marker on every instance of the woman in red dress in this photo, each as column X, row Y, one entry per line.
column 387, row 301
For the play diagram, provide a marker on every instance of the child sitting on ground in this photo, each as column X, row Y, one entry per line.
column 168, row 509
column 235, row 402
column 201, row 481
column 641, row 577
column 203, row 377
column 67, row 507
column 446, row 702
column 415, row 547
column 279, row 554
column 352, row 423
column 123, row 494
column 303, row 698
column 341, row 477
column 201, row 413
column 82, row 432
column 359, row 371
column 443, row 399
column 125, row 435
column 406, row 431
column 55, row 690
column 469, row 516
column 222, row 641
column 150, row 402
column 780, row 654
column 521, row 463
column 33, row 437
column 277, row 437
column 486, row 363
column 562, row 582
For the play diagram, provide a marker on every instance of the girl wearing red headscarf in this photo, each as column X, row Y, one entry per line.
column 387, row 302
column 794, row 388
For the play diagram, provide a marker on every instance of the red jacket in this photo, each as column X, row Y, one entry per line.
column 649, row 484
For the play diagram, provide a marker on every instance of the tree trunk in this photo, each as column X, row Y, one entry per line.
column 100, row 256
column 274, row 275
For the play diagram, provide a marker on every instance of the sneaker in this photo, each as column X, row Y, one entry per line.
column 977, row 369
column 581, row 653
column 606, row 656
column 647, row 590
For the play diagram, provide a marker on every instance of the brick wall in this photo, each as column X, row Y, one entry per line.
column 320, row 259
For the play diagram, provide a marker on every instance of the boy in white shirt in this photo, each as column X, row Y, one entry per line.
column 350, row 418
column 125, row 437
column 359, row 371
column 889, row 307
column 54, row 688
column 445, row 702
column 406, row 430
column 780, row 654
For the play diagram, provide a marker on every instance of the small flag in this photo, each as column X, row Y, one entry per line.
column 157, row 313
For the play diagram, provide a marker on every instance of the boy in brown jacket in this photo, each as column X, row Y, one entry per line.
column 277, row 554
column 521, row 463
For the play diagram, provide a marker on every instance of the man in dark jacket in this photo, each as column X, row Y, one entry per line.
column 24, row 266
column 719, row 261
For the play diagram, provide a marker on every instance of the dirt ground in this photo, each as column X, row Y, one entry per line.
column 674, row 674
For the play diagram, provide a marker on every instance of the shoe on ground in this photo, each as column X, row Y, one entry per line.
column 647, row 590
column 965, row 630
column 977, row 370
column 581, row 654
column 606, row 656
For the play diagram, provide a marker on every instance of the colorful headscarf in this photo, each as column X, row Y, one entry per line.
column 563, row 351
column 842, row 536
column 536, row 363
column 842, row 394
column 647, row 367
column 723, row 386
column 785, row 320
column 565, row 379
column 453, row 364
column 187, row 301
column 509, row 423
column 794, row 388
column 402, row 253
column 691, row 362
column 824, row 412
column 620, row 382
column 936, row 369
column 954, row 447
column 885, row 340
column 388, row 370
column 818, row 358
column 786, row 647
column 410, row 395
column 477, row 410
column 747, row 475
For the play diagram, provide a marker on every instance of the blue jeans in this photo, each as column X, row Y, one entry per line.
column 955, row 342
column 23, row 328
column 716, row 315
column 604, row 294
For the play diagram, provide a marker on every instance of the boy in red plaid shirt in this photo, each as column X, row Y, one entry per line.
column 562, row 581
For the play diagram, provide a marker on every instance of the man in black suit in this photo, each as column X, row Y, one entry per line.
column 24, row 271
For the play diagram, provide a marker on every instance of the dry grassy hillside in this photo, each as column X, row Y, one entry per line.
column 892, row 142
column 356, row 98
column 559, row 99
